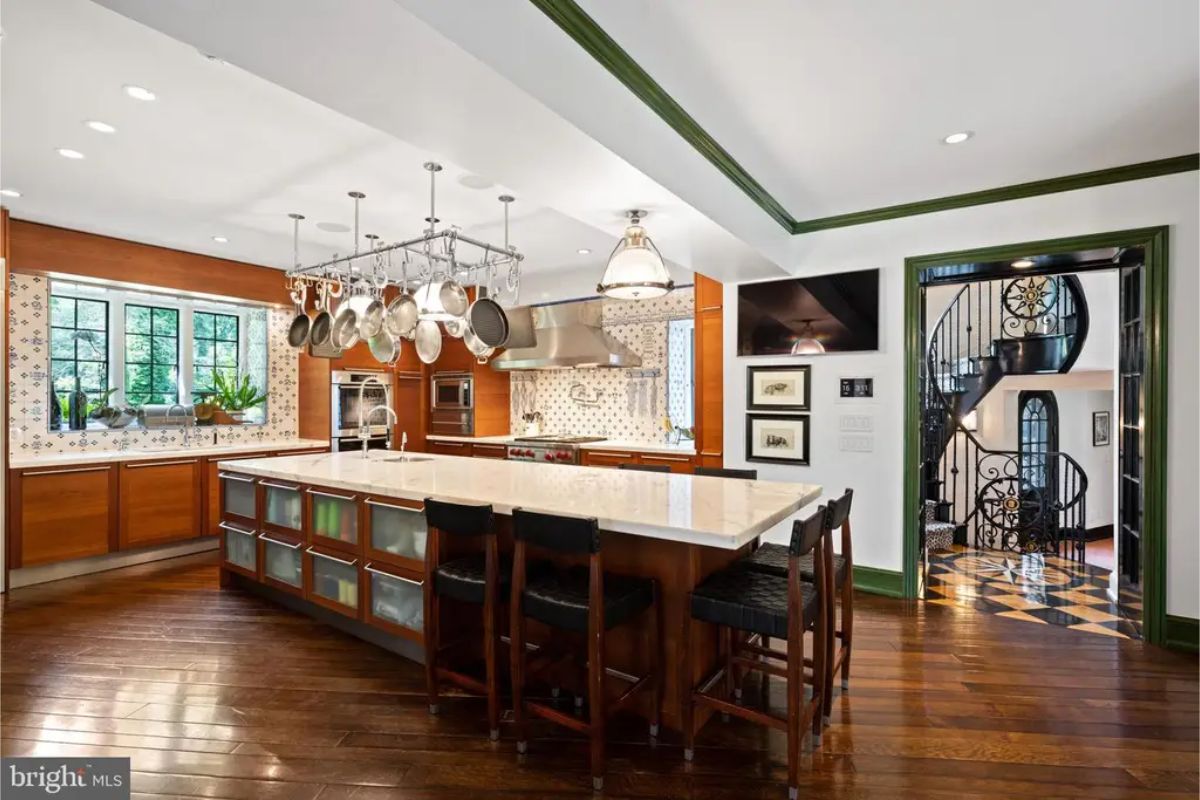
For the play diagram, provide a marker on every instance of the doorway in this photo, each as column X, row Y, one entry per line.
column 1020, row 515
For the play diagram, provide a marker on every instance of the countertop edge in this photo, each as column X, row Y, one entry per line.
column 613, row 444
column 54, row 460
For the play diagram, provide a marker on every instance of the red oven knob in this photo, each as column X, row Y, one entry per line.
column 549, row 457
column 563, row 456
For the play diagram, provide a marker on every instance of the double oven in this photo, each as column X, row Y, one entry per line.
column 452, row 404
column 345, row 409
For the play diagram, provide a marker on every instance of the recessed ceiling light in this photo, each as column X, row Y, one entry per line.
column 10, row 192
column 958, row 138
column 139, row 93
column 583, row 251
column 220, row 239
column 1022, row 263
column 100, row 127
column 67, row 152
column 475, row 181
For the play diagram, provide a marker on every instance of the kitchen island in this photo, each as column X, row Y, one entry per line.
column 345, row 533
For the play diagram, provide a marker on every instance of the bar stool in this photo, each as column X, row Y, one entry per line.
column 480, row 579
column 773, row 559
column 582, row 600
column 645, row 467
column 720, row 472
column 742, row 600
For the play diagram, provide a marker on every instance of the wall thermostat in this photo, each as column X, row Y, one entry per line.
column 858, row 387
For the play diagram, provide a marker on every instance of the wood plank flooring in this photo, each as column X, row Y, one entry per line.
column 219, row 694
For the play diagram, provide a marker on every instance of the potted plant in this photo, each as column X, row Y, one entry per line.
column 233, row 397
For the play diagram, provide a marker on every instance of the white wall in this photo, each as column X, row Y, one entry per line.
column 878, row 476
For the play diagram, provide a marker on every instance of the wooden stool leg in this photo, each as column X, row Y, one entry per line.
column 727, row 640
column 655, row 646
column 829, row 647
column 847, row 625
column 597, row 710
column 431, row 648
column 821, row 674
column 684, row 689
column 491, row 636
column 795, row 701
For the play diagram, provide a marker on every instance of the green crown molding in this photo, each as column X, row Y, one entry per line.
column 1066, row 183
column 577, row 24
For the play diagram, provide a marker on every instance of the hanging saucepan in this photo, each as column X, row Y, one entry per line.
column 488, row 320
column 452, row 294
column 485, row 355
column 322, row 324
column 298, row 330
column 402, row 313
column 455, row 327
column 383, row 347
column 370, row 319
column 429, row 341
column 473, row 344
column 345, row 325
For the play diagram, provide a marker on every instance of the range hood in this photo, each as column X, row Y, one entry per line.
column 568, row 336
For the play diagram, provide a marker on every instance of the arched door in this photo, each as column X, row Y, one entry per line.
column 1037, row 432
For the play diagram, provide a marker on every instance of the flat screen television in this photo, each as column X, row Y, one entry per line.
column 836, row 313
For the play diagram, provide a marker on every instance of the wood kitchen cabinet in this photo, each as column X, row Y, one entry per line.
column 709, row 372
column 449, row 448
column 489, row 450
column 63, row 513
column 160, row 502
column 212, row 490
column 394, row 600
column 681, row 464
column 332, row 579
column 608, row 458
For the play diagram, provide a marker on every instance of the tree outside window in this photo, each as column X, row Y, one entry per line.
column 151, row 355
column 78, row 345
column 214, row 349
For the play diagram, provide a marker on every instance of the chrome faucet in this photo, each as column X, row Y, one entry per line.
column 188, row 421
column 364, row 428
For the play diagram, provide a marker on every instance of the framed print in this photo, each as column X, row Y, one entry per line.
column 777, row 438
column 778, row 388
column 1101, row 428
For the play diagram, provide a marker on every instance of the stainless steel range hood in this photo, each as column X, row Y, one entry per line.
column 568, row 336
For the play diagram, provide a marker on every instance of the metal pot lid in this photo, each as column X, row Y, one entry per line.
column 370, row 321
column 455, row 327
column 401, row 318
column 383, row 347
column 454, row 298
column 429, row 341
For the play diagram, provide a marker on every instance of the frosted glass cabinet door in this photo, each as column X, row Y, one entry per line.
column 283, row 562
column 238, row 496
column 241, row 548
column 334, row 581
column 397, row 530
column 282, row 506
column 334, row 517
column 396, row 600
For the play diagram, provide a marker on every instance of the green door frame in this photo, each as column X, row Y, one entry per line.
column 1154, row 535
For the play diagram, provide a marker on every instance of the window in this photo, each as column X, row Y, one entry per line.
column 151, row 355
column 79, row 345
column 214, row 349
column 1038, row 431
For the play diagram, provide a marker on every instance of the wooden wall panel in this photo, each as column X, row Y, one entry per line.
column 709, row 372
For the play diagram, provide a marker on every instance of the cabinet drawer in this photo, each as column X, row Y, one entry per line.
column 160, row 502
column 283, row 507
column 61, row 514
column 333, row 519
column 448, row 448
column 282, row 563
column 680, row 464
column 239, row 549
column 239, row 497
column 593, row 458
column 489, row 450
column 395, row 602
column 333, row 580
column 396, row 531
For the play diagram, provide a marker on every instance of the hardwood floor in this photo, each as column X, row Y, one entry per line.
column 222, row 695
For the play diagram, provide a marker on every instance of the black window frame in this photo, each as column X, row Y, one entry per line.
column 75, row 360
column 199, row 391
column 135, row 398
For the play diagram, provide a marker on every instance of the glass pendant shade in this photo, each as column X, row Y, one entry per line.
column 635, row 269
column 429, row 303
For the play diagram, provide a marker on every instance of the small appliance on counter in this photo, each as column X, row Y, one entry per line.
column 346, row 386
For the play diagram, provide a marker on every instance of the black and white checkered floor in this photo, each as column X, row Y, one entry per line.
column 1036, row 588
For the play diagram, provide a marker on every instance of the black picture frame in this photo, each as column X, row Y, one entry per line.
column 804, row 405
column 801, row 461
column 1101, row 433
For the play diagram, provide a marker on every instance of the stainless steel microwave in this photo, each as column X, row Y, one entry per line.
column 452, row 391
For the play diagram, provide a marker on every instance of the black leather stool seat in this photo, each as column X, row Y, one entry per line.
column 463, row 578
column 773, row 559
column 560, row 598
column 751, row 601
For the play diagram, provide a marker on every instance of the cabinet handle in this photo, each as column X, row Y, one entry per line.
column 491, row 446
column 449, row 444
column 348, row 499
column 64, row 471
column 312, row 552
column 234, row 529
column 160, row 464
column 229, row 476
column 393, row 506
column 409, row 376
column 667, row 458
column 614, row 455
column 711, row 308
column 288, row 545
column 283, row 486
column 369, row 568
column 717, row 454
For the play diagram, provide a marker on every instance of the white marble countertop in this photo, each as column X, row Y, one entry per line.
column 687, row 448
column 715, row 512
column 137, row 454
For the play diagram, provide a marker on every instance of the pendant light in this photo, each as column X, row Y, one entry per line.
column 807, row 344
column 635, row 268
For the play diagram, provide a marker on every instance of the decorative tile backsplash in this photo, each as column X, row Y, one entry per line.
column 28, row 384
column 625, row 404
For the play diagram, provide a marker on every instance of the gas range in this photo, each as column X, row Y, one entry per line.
column 553, row 448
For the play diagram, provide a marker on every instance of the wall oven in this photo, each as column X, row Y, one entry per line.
column 345, row 409
column 452, row 404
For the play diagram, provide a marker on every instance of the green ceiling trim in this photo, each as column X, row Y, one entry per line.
column 1066, row 183
column 591, row 37
column 577, row 24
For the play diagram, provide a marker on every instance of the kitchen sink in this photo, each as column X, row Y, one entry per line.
column 407, row 459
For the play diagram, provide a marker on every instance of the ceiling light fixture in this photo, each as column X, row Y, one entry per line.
column 583, row 251
column 10, row 192
column 1022, row 263
column 635, row 269
column 807, row 344
column 140, row 93
column 100, row 127
column 220, row 239
column 958, row 138
column 67, row 152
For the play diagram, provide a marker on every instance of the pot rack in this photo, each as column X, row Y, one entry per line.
column 437, row 254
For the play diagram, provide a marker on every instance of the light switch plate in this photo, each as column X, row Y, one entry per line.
column 857, row 423
column 856, row 443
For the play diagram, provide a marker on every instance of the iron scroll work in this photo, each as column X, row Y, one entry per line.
column 1014, row 513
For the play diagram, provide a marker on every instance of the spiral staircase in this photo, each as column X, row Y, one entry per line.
column 1023, row 501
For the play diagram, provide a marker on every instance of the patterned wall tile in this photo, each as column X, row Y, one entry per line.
column 29, row 384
